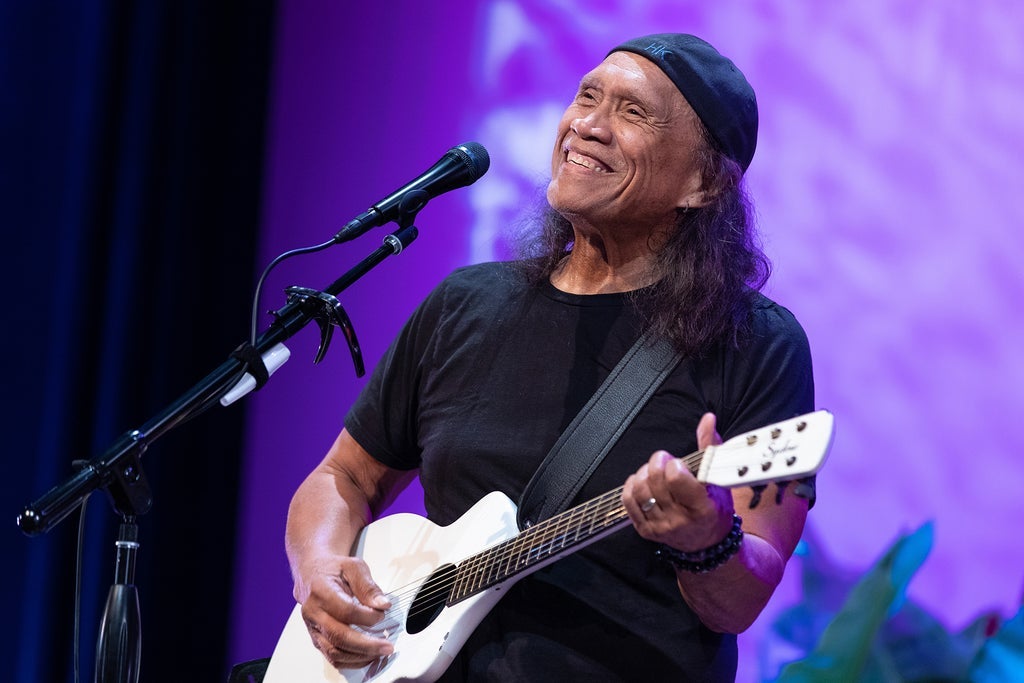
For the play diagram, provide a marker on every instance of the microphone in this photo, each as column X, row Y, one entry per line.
column 460, row 166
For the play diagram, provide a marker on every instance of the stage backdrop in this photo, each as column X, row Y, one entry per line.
column 887, row 180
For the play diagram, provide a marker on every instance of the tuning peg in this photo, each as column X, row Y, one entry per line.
column 781, row 490
column 758, row 490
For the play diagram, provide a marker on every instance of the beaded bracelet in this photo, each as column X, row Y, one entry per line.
column 703, row 561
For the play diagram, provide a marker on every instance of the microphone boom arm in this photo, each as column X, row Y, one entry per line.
column 119, row 469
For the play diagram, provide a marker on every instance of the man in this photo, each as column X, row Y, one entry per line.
column 649, row 229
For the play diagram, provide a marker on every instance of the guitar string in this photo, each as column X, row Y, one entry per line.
column 466, row 575
column 442, row 584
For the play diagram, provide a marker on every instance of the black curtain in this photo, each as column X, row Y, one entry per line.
column 131, row 173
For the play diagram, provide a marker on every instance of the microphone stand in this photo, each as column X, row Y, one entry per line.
column 119, row 470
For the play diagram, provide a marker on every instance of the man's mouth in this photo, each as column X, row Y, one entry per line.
column 585, row 161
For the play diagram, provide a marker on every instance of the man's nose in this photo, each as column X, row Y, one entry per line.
column 593, row 126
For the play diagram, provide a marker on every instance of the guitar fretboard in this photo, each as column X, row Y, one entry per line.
column 541, row 542
column 786, row 450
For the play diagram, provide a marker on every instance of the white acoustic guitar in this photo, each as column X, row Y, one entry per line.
column 442, row 581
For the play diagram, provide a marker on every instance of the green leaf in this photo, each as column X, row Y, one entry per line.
column 844, row 648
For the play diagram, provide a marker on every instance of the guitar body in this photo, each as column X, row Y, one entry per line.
column 442, row 581
column 403, row 551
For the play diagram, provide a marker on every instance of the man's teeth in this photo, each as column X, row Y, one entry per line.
column 581, row 160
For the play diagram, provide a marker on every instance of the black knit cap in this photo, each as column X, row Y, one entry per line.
column 716, row 90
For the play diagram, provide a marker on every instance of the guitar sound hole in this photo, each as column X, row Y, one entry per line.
column 430, row 599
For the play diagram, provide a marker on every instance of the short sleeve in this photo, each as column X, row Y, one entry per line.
column 383, row 418
column 769, row 378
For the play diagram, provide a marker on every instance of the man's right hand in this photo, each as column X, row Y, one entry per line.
column 341, row 601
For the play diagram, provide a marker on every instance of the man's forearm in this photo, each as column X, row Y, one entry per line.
column 729, row 598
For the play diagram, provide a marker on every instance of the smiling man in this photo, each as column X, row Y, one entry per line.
column 648, row 231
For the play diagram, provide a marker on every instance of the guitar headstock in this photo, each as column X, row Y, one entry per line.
column 787, row 450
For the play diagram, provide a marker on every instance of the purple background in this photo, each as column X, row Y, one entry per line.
column 887, row 180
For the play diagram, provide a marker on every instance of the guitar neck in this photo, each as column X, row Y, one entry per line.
column 540, row 544
column 786, row 450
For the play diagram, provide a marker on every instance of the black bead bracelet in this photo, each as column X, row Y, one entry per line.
column 703, row 561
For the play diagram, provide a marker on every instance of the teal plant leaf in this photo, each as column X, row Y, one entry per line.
column 848, row 643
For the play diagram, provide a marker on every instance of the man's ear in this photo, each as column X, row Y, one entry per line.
column 695, row 199
column 696, row 193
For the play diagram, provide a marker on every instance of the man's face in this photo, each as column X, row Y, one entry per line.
column 625, row 153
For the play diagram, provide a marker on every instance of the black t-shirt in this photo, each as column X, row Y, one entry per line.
column 474, row 392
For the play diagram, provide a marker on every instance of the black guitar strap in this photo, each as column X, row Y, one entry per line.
column 593, row 432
